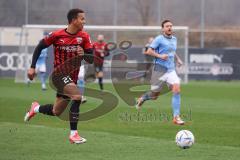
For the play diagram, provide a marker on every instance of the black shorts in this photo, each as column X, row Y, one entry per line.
column 58, row 82
column 98, row 68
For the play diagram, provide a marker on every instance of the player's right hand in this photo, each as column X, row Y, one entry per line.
column 163, row 56
column 31, row 73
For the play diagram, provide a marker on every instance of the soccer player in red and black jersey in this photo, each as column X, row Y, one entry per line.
column 100, row 51
column 71, row 45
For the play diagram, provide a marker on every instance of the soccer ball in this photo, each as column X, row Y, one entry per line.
column 184, row 139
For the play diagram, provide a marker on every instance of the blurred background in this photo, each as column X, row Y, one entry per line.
column 213, row 35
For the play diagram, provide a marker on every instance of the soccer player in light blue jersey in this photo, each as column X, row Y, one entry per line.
column 163, row 49
column 41, row 67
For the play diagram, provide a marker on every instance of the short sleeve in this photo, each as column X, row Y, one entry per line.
column 155, row 43
column 87, row 42
column 50, row 38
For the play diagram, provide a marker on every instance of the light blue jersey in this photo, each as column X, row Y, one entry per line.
column 165, row 45
column 43, row 56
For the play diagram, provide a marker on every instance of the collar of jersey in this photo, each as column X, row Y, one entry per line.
column 168, row 37
column 70, row 33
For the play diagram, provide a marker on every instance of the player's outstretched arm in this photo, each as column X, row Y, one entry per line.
column 37, row 51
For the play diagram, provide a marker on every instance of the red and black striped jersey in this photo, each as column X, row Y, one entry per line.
column 100, row 51
column 67, row 50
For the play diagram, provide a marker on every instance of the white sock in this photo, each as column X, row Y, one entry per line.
column 36, row 109
column 73, row 132
column 43, row 86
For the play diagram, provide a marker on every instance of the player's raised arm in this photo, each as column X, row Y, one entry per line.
column 37, row 51
column 153, row 46
column 151, row 52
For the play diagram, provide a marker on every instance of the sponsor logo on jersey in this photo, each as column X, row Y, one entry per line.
column 79, row 40
column 61, row 40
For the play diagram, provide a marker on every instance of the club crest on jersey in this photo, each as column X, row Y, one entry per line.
column 79, row 40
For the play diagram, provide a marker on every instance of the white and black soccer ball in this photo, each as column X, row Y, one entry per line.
column 184, row 139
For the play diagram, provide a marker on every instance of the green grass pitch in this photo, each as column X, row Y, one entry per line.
column 212, row 110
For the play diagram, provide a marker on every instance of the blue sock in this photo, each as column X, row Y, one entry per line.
column 176, row 100
column 81, row 85
column 147, row 96
column 42, row 78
